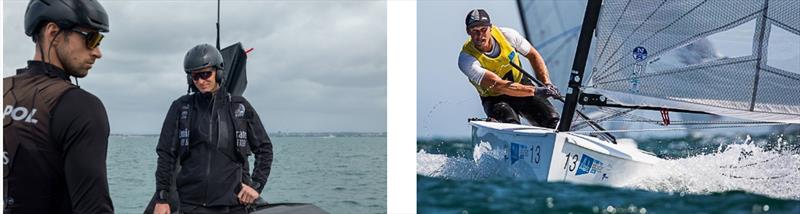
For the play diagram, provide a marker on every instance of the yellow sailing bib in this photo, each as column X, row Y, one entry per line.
column 499, row 65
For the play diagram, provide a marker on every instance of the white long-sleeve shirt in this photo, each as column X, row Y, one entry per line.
column 470, row 66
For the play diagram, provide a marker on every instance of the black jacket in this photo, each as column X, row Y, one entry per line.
column 67, row 172
column 212, row 167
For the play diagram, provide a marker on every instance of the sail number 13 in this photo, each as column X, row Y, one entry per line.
column 571, row 163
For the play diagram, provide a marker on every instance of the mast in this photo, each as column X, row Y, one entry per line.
column 218, row 4
column 579, row 64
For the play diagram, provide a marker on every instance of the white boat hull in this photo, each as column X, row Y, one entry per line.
column 546, row 155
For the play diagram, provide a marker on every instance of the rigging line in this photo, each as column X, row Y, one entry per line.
column 614, row 115
column 679, row 70
column 676, row 44
column 670, row 129
column 760, row 53
column 779, row 72
column 783, row 25
column 727, row 108
column 693, row 123
column 719, row 106
column 613, row 29
column 669, row 25
column 636, row 29
column 694, row 37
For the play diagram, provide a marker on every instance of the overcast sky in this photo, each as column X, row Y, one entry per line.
column 317, row 65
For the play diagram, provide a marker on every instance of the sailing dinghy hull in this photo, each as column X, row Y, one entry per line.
column 545, row 155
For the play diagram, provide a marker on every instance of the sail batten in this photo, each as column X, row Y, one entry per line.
column 729, row 57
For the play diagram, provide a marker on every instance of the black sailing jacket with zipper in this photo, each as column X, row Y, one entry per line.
column 222, row 131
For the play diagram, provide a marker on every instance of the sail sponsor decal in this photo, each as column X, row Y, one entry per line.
column 639, row 53
column 589, row 165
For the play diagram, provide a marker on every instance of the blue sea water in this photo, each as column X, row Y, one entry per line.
column 339, row 175
column 708, row 174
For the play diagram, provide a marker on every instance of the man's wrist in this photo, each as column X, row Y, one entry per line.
column 255, row 185
column 162, row 196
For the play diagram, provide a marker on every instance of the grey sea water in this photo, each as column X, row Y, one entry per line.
column 709, row 174
column 338, row 174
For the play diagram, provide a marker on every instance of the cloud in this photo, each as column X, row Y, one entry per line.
column 316, row 65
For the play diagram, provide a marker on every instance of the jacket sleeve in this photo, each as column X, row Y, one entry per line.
column 81, row 123
column 167, row 149
column 262, row 148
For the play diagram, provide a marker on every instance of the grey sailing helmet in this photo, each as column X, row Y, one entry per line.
column 65, row 13
column 201, row 56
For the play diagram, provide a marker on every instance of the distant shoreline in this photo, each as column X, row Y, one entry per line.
column 288, row 134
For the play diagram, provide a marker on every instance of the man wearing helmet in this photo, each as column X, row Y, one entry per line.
column 488, row 59
column 56, row 134
column 207, row 136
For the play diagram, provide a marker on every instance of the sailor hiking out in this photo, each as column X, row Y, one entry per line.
column 490, row 59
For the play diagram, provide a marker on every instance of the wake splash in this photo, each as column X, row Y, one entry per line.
column 485, row 163
column 746, row 166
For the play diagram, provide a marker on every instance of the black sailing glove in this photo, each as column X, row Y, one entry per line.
column 554, row 90
column 544, row 92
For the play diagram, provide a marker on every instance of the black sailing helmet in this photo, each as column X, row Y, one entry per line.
column 65, row 13
column 201, row 56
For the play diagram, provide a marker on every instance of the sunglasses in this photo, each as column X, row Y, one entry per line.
column 92, row 38
column 201, row 75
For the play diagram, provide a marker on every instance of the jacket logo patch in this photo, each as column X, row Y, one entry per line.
column 241, row 138
column 184, row 136
column 20, row 114
column 240, row 111
column 184, row 112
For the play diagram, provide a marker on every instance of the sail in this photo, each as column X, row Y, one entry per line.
column 738, row 58
column 552, row 27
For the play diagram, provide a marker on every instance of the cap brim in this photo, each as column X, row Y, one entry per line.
column 479, row 24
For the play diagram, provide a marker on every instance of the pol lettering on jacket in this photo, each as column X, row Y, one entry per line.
column 20, row 113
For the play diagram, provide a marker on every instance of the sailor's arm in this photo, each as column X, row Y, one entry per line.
column 493, row 82
column 477, row 74
column 167, row 151
column 539, row 67
column 81, row 123
column 261, row 146
column 525, row 47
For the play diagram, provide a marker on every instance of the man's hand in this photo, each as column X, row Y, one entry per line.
column 247, row 195
column 545, row 92
column 161, row 208
column 557, row 94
